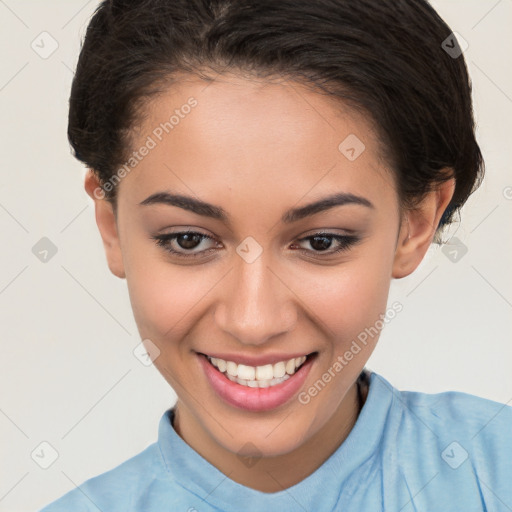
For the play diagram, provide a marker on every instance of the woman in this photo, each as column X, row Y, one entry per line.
column 260, row 172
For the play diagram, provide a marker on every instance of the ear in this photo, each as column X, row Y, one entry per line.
column 418, row 228
column 107, row 224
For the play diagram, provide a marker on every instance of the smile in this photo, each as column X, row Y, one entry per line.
column 258, row 376
column 260, row 387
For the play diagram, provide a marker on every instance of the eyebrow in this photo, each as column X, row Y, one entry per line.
column 293, row 215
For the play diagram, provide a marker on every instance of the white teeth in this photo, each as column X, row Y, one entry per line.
column 279, row 370
column 246, row 372
column 265, row 372
column 231, row 368
column 221, row 365
column 290, row 366
column 258, row 376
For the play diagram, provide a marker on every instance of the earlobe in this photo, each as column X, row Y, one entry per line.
column 107, row 225
column 418, row 228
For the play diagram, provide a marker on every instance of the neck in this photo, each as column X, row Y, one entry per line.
column 273, row 474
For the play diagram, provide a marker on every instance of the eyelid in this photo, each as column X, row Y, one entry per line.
column 328, row 231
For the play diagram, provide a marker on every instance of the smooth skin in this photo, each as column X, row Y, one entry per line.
column 256, row 149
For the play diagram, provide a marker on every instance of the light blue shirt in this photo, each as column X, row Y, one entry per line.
column 408, row 451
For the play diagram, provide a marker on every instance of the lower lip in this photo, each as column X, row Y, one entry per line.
column 255, row 399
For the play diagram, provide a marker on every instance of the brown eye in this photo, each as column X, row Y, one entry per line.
column 322, row 242
column 182, row 243
column 188, row 240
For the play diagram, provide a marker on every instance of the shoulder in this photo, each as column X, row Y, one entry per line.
column 469, row 417
column 467, row 427
column 454, row 440
column 117, row 489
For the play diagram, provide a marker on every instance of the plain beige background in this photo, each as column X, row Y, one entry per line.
column 68, row 375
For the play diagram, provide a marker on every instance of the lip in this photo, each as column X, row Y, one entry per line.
column 255, row 399
column 260, row 360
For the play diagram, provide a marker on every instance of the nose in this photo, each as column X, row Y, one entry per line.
column 257, row 304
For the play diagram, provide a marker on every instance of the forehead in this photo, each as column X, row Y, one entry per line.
column 246, row 135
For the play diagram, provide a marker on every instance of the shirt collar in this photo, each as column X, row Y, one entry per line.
column 207, row 483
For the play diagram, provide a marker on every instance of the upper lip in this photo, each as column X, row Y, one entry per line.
column 260, row 360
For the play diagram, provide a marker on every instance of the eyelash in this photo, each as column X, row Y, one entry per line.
column 345, row 241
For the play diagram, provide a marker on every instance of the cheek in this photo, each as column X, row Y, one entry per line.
column 350, row 297
column 162, row 296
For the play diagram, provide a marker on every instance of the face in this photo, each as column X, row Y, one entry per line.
column 260, row 279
